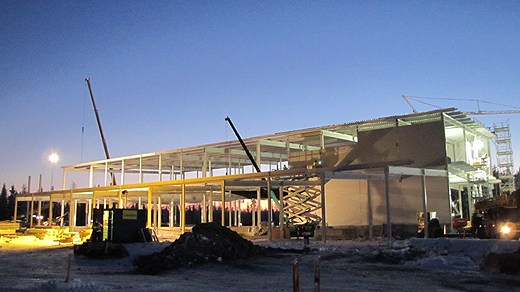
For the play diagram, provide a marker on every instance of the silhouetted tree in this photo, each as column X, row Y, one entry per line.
column 11, row 200
column 4, row 211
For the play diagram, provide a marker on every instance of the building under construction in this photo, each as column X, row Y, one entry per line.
column 361, row 179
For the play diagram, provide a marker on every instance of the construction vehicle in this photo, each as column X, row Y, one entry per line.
column 98, row 120
column 498, row 217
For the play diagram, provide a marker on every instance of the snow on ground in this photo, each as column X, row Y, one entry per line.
column 417, row 264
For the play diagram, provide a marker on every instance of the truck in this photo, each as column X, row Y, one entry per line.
column 498, row 217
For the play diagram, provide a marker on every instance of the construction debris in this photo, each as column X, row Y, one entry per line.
column 207, row 243
column 100, row 250
column 508, row 263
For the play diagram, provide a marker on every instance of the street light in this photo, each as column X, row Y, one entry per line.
column 53, row 158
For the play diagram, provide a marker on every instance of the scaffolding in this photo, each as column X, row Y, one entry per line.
column 505, row 166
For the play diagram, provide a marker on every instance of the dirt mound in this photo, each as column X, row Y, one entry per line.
column 207, row 243
column 508, row 263
column 100, row 250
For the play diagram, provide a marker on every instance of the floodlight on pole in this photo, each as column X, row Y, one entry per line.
column 53, row 159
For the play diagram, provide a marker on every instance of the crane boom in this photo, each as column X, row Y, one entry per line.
column 250, row 156
column 103, row 140
column 409, row 103
column 253, row 161
column 508, row 112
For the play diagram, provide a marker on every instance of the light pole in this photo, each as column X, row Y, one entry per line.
column 53, row 158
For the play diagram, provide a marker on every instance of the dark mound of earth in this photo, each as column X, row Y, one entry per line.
column 207, row 243
column 100, row 250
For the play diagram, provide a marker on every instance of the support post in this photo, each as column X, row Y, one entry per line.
column 39, row 212
column 369, row 212
column 159, row 214
column 29, row 209
column 171, row 213
column 62, row 211
column 230, row 211
column 296, row 275
column 106, row 174
column 91, row 176
column 210, row 209
column 120, row 199
column 149, row 209
column 281, row 214
column 123, row 172
column 30, row 217
column 154, row 212
column 269, row 209
column 140, row 169
column 258, row 207
column 183, row 208
column 71, row 212
column 239, row 221
column 223, row 199
column 74, row 209
column 204, row 209
column 15, row 209
column 50, row 210
column 388, row 208
column 425, row 205
column 88, row 210
column 323, row 213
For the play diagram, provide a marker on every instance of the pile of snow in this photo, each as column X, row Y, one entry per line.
column 456, row 253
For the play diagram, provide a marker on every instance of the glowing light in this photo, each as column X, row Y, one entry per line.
column 505, row 229
column 54, row 158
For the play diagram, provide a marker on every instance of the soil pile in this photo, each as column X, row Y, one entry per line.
column 100, row 250
column 508, row 263
column 207, row 243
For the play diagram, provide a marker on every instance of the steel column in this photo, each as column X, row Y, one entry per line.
column 323, row 213
column 425, row 206
column 182, row 208
column 388, row 208
column 149, row 209
column 223, row 199
column 269, row 209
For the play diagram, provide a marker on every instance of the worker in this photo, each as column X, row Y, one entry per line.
column 97, row 232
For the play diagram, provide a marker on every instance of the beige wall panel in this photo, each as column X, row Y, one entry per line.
column 346, row 202
column 422, row 143
column 406, row 199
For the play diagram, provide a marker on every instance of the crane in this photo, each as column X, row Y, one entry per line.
column 103, row 140
column 420, row 99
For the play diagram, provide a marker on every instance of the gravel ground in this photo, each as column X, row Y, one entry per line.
column 345, row 266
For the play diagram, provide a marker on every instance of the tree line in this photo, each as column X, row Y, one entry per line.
column 7, row 204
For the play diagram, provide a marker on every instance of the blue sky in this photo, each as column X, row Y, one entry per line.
column 166, row 73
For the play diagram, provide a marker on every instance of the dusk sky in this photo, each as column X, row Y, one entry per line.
column 165, row 74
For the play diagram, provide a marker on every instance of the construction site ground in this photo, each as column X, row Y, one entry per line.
column 379, row 265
